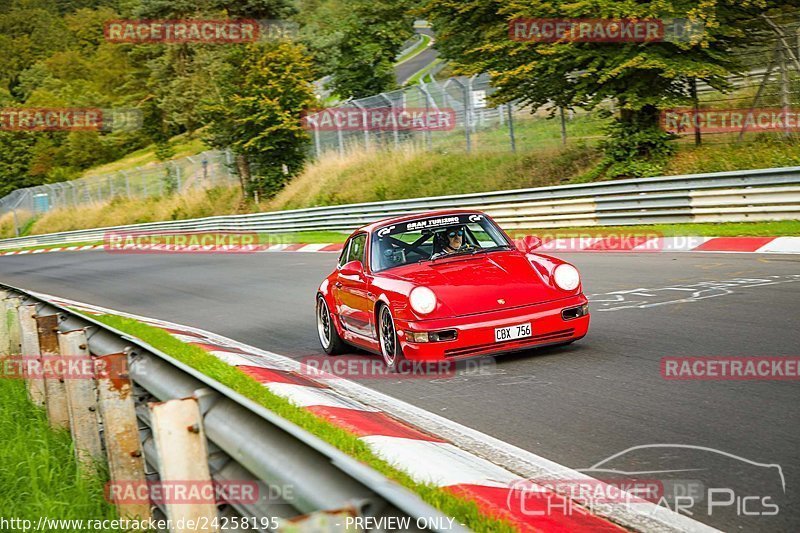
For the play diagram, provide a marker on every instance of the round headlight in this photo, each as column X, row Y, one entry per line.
column 422, row 300
column 567, row 277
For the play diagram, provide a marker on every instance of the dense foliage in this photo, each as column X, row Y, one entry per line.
column 640, row 78
column 251, row 97
column 54, row 54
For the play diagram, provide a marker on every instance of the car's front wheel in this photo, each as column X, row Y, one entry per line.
column 328, row 336
column 391, row 350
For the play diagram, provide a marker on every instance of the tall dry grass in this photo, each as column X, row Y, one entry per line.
column 121, row 211
column 367, row 176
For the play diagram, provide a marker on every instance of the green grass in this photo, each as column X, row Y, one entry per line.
column 763, row 151
column 45, row 246
column 182, row 145
column 727, row 229
column 465, row 512
column 416, row 50
column 39, row 474
column 416, row 77
column 392, row 175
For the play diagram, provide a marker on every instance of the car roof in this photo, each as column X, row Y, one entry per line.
column 425, row 214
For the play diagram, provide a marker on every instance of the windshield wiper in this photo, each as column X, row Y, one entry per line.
column 440, row 255
column 492, row 249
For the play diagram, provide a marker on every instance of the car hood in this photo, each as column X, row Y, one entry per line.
column 467, row 285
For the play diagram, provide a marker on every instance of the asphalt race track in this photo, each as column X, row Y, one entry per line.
column 576, row 405
column 408, row 68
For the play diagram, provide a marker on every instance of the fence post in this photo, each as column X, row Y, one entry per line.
column 391, row 107
column 121, row 432
column 182, row 455
column 317, row 147
column 16, row 222
column 474, row 112
column 424, row 88
column 30, row 348
column 563, row 125
column 81, row 399
column 467, row 115
column 698, row 136
column 512, row 137
column 366, row 124
column 55, row 391
column 339, row 139
column 785, row 91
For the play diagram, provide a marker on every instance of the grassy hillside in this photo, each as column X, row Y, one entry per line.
column 182, row 146
column 374, row 176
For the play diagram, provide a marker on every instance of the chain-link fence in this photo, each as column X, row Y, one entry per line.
column 475, row 124
column 768, row 79
column 205, row 170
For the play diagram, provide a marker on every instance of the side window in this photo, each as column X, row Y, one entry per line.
column 356, row 250
column 343, row 257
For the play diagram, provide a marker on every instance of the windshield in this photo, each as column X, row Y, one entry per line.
column 432, row 238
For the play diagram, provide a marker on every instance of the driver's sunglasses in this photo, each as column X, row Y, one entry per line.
column 453, row 233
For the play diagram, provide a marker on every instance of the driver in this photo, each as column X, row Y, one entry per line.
column 453, row 240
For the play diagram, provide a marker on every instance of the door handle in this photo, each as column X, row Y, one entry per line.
column 338, row 284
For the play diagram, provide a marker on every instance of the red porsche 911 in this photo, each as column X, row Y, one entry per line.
column 447, row 285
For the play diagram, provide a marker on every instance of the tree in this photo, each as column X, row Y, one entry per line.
column 642, row 77
column 372, row 34
column 261, row 96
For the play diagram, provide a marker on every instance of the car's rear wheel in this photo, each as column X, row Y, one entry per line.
column 391, row 350
column 328, row 336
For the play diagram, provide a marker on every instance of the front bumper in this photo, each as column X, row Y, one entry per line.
column 475, row 333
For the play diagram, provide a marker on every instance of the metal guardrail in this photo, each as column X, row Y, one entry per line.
column 208, row 169
column 750, row 195
column 246, row 442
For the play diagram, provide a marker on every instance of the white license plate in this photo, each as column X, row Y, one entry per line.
column 509, row 333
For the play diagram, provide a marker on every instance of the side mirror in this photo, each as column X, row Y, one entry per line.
column 353, row 268
column 529, row 243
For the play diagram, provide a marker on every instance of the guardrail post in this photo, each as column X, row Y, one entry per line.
column 121, row 431
column 81, row 398
column 183, row 456
column 11, row 305
column 55, row 391
column 5, row 342
column 30, row 349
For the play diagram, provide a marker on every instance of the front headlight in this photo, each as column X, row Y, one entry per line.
column 422, row 300
column 567, row 277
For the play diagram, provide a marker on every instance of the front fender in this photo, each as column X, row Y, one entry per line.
column 324, row 288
